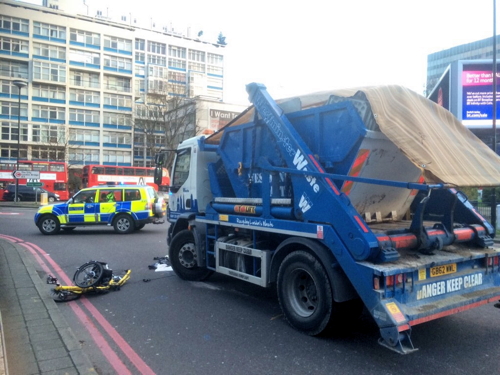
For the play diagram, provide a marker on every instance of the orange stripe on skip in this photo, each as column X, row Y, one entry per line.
column 421, row 180
column 355, row 169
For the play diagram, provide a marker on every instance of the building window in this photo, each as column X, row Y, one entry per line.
column 84, row 96
column 195, row 55
column 117, row 138
column 175, row 63
column 84, row 79
column 12, row 45
column 117, row 119
column 48, row 134
column 214, row 59
column 158, row 72
column 84, row 116
column 155, row 47
column 87, row 38
column 48, row 153
column 49, row 31
column 157, row 60
column 177, row 77
column 84, row 57
column 10, row 152
column 12, row 24
column 116, row 100
column 47, row 112
column 49, row 51
column 84, row 135
column 216, row 70
column 13, row 69
column 140, row 57
column 195, row 67
column 116, row 156
column 49, row 91
column 140, row 44
column 84, row 155
column 117, row 44
column 116, row 83
column 179, row 52
column 9, row 131
column 157, row 86
column 117, row 62
column 49, row 71
column 12, row 109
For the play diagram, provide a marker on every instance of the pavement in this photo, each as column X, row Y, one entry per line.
column 35, row 338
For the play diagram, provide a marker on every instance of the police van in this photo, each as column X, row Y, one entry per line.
column 125, row 207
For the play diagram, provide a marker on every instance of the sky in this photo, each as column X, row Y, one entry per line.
column 299, row 47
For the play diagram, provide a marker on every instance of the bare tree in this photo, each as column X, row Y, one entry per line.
column 165, row 119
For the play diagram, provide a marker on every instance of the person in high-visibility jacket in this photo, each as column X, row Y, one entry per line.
column 110, row 197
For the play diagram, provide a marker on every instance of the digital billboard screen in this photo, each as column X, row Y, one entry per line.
column 477, row 95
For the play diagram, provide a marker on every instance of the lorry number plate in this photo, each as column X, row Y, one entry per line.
column 443, row 270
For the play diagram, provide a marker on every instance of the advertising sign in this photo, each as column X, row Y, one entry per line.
column 477, row 97
column 219, row 119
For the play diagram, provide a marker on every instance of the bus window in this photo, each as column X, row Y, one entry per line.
column 40, row 167
column 57, row 167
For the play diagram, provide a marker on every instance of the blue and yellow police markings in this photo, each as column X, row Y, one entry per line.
column 81, row 213
column 105, row 210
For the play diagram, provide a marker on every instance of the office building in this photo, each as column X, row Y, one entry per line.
column 89, row 75
column 438, row 62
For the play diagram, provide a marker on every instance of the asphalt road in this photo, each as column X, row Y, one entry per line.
column 225, row 326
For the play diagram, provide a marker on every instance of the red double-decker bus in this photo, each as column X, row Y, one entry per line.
column 53, row 175
column 93, row 175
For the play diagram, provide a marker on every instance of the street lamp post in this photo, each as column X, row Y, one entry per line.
column 20, row 84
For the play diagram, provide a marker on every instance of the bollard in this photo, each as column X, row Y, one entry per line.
column 44, row 199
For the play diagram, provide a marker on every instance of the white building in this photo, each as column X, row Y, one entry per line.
column 87, row 72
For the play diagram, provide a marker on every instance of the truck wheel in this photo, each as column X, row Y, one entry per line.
column 304, row 293
column 182, row 255
column 49, row 224
column 124, row 224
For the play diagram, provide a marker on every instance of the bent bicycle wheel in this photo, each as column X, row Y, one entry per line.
column 88, row 275
column 64, row 295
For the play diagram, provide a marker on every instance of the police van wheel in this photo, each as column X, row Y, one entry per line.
column 49, row 224
column 182, row 256
column 124, row 224
column 304, row 293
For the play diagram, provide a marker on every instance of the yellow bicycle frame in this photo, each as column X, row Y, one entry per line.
column 113, row 285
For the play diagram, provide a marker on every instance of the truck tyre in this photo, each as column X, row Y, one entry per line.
column 304, row 293
column 183, row 257
column 49, row 224
column 124, row 224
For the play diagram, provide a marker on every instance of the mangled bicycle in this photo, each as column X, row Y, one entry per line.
column 93, row 277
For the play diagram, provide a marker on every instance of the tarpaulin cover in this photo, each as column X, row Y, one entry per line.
column 429, row 135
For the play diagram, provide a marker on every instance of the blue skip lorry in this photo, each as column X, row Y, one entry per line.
column 341, row 201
